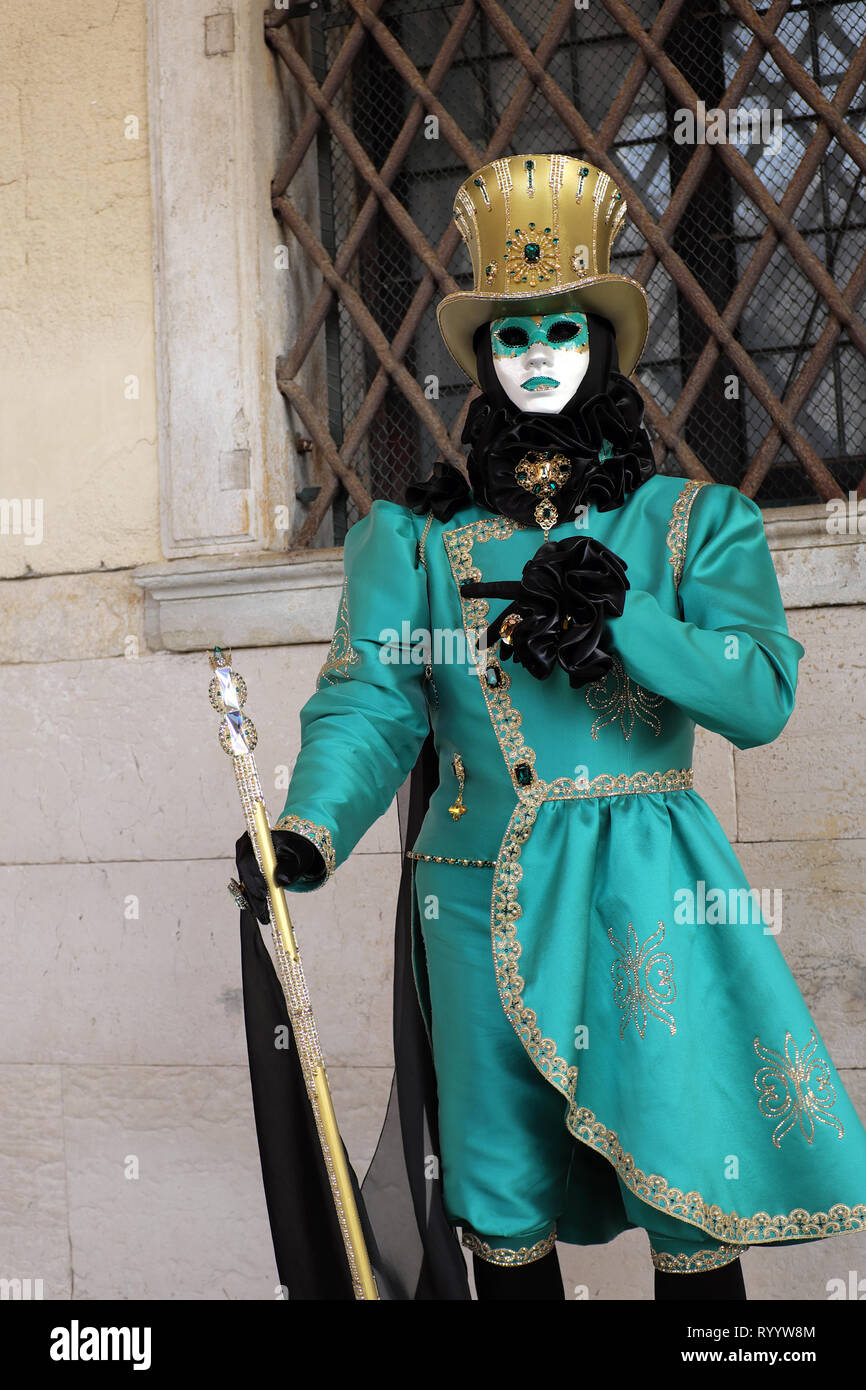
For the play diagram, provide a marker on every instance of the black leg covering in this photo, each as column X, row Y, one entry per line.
column 537, row 1281
column 724, row 1283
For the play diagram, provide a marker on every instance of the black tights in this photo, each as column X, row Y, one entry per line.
column 710, row 1285
column 541, row 1280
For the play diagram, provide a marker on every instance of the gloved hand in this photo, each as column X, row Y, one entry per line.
column 298, row 860
column 568, row 589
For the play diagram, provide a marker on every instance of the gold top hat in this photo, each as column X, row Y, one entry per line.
column 539, row 229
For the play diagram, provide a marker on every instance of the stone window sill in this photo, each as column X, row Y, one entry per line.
column 287, row 598
column 241, row 601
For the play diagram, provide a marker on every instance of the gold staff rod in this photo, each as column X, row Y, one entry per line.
column 237, row 735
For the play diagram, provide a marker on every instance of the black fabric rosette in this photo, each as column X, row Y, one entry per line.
column 567, row 590
column 444, row 492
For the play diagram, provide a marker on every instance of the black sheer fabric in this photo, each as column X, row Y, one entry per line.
column 413, row 1249
column 308, row 1245
column 420, row 1255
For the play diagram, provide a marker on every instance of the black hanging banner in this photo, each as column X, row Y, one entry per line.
column 413, row 1249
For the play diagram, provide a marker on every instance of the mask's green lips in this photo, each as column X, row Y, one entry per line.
column 539, row 383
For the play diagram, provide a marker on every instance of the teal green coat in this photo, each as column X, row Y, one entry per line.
column 619, row 911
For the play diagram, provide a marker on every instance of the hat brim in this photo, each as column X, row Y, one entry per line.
column 620, row 300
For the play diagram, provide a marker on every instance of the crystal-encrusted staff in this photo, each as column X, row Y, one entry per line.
column 238, row 737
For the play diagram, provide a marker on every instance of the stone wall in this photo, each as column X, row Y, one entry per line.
column 123, row 1031
column 128, row 1161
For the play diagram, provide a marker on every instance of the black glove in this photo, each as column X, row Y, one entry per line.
column 298, row 861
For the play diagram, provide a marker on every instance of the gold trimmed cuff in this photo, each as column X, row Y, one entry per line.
column 697, row 1262
column 319, row 835
column 502, row 1255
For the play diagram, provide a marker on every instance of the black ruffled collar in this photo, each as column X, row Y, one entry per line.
column 570, row 587
column 499, row 436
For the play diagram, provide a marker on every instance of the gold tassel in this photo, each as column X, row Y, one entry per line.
column 457, row 809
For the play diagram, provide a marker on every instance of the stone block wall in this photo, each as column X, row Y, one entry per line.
column 128, row 1160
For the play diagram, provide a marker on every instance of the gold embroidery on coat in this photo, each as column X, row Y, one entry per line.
column 505, row 913
column 505, row 719
column 679, row 527
column 634, row 990
column 624, row 701
column 676, row 779
column 341, row 654
column 795, row 1089
column 651, row 1188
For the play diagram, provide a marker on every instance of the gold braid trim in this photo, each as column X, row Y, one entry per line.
column 423, row 541
column 320, row 835
column 679, row 527
column 758, row 1229
column 501, row 1255
column 503, row 716
column 447, row 859
column 700, row 1260
column 676, row 779
column 651, row 1188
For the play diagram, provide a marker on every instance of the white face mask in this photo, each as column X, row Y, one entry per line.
column 541, row 361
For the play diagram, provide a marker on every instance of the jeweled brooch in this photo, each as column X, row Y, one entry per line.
column 543, row 475
column 530, row 255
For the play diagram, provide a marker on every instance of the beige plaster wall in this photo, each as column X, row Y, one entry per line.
column 77, row 398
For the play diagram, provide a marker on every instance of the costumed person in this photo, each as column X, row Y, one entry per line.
column 616, row 1038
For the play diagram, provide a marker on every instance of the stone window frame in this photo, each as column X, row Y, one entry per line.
column 220, row 113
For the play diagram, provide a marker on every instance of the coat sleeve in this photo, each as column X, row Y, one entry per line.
column 362, row 729
column 729, row 662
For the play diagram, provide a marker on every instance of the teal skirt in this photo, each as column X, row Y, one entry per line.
column 602, row 1065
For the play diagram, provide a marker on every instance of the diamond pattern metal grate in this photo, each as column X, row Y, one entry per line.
column 753, row 255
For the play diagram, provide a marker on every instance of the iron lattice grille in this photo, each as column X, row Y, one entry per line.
column 753, row 256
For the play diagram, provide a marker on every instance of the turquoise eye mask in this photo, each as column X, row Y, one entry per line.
column 512, row 337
